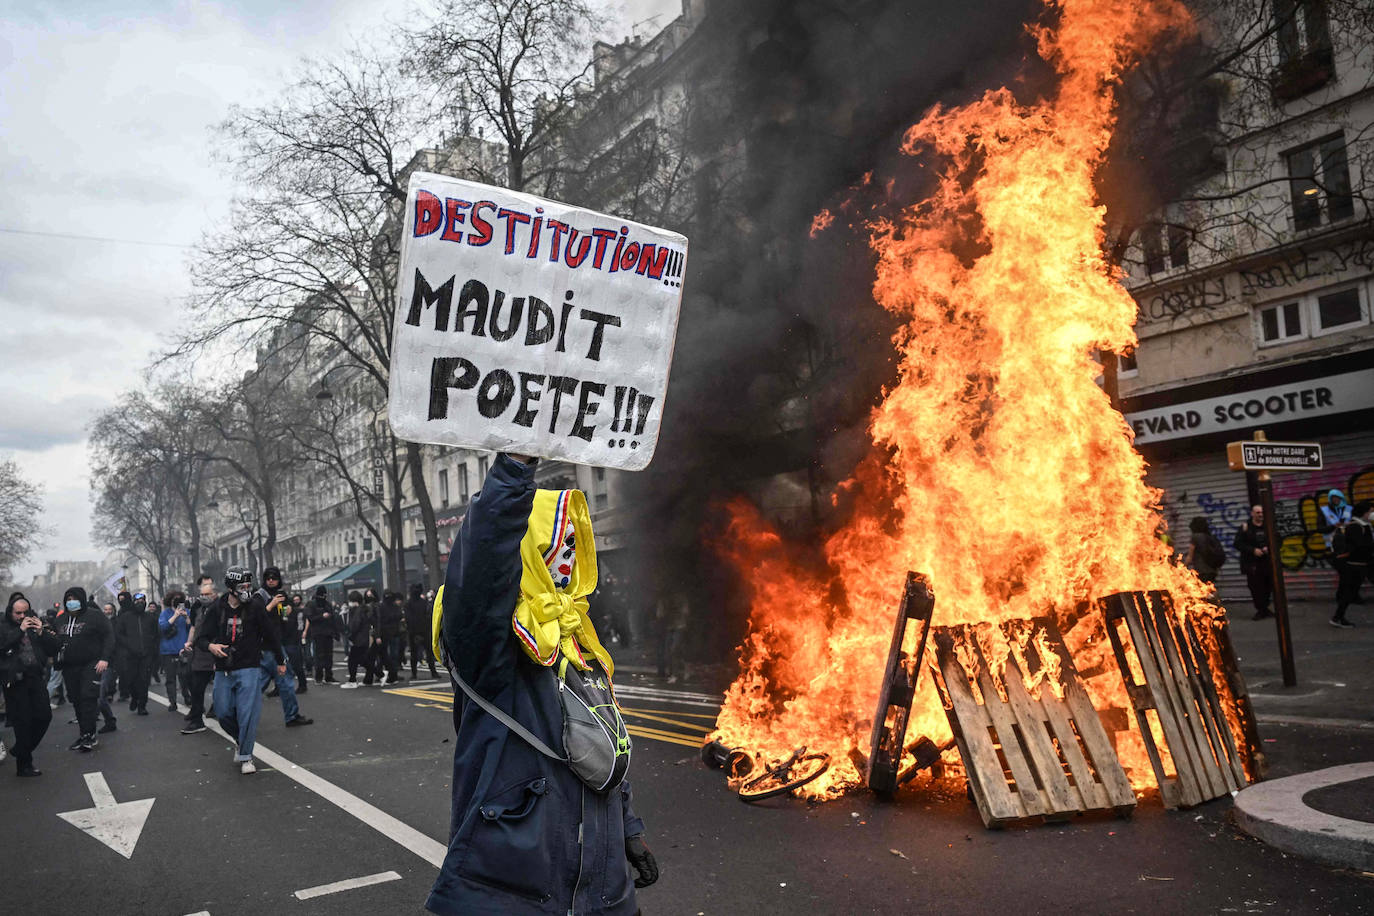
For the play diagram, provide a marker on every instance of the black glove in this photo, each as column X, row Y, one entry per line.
column 642, row 859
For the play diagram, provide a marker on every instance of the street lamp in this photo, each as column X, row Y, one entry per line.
column 324, row 394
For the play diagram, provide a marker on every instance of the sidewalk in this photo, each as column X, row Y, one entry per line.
column 1326, row 814
column 1335, row 668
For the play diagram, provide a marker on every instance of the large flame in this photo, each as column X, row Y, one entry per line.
column 1001, row 470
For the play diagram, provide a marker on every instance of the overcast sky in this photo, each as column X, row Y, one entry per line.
column 105, row 115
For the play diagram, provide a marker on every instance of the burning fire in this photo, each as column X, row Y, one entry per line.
column 1000, row 471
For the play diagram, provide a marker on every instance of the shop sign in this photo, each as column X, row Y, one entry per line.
column 1299, row 400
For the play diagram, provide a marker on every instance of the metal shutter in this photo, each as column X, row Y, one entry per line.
column 1204, row 485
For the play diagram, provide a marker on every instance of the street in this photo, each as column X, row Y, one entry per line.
column 349, row 816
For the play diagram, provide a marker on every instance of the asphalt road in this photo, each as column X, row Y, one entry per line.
column 363, row 793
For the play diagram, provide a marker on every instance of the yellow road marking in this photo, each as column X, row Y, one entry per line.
column 667, row 739
column 439, row 699
column 644, row 715
column 710, row 717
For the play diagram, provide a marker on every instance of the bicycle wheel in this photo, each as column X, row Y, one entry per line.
column 780, row 780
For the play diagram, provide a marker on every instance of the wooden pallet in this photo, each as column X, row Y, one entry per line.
column 1173, row 681
column 1027, row 757
column 888, row 739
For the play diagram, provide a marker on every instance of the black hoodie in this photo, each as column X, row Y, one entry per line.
column 135, row 628
column 418, row 612
column 246, row 630
column 22, row 653
column 86, row 635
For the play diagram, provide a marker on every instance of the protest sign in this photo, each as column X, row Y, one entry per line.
column 531, row 326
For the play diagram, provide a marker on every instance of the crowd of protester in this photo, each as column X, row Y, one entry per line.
column 243, row 644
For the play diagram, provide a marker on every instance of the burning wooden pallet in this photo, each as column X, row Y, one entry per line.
column 888, row 740
column 1026, row 756
column 1173, row 680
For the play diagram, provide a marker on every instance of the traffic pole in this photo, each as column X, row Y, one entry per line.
column 1271, row 532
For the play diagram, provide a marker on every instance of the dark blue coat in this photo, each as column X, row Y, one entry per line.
column 526, row 835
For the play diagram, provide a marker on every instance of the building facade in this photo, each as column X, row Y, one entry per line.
column 1255, row 291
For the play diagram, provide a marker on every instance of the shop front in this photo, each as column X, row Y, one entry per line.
column 1182, row 432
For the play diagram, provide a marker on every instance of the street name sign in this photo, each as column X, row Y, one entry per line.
column 1274, row 456
column 531, row 326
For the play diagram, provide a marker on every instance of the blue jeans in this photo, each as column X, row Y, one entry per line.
column 238, row 703
column 286, row 684
column 55, row 685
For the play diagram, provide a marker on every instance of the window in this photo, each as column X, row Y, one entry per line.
column 1315, row 314
column 352, row 548
column 482, row 467
column 1339, row 309
column 1160, row 239
column 1280, row 322
column 1301, row 27
column 367, row 545
column 1319, row 181
column 1126, row 365
column 463, row 483
column 443, row 487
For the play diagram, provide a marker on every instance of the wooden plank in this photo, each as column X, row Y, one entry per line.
column 1189, row 792
column 1061, row 795
column 1028, row 788
column 1114, row 608
column 898, row 688
column 1210, row 779
column 970, row 725
column 1254, row 754
column 1112, row 780
column 1219, row 724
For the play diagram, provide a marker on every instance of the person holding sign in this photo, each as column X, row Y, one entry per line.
column 542, row 820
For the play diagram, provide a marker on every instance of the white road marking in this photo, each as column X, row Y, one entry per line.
column 365, row 881
column 201, row 913
column 428, row 849
column 116, row 825
column 672, row 696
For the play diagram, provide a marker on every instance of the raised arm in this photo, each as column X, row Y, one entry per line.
column 482, row 583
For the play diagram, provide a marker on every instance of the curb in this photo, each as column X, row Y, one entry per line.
column 1275, row 813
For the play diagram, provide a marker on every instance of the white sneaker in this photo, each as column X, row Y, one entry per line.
column 351, row 685
column 248, row 769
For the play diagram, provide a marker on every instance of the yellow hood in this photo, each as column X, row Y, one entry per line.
column 547, row 619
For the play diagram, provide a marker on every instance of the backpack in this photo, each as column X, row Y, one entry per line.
column 1211, row 551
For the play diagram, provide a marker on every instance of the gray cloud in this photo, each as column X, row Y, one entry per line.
column 30, row 422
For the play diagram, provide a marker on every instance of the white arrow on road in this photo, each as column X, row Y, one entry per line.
column 117, row 825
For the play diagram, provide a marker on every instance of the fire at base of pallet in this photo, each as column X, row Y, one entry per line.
column 1027, row 737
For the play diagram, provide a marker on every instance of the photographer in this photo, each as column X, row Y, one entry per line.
column 174, row 625
column 26, row 644
column 236, row 630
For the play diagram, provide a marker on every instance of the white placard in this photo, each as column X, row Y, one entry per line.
column 531, row 326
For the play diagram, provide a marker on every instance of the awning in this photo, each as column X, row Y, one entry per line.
column 309, row 584
column 369, row 572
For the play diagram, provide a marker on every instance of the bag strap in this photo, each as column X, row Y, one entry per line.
column 504, row 719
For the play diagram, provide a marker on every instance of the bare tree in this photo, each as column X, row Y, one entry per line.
column 135, row 509
column 159, row 429
column 248, row 423
column 308, row 263
column 1198, row 172
column 351, row 446
column 21, row 502
column 512, row 67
